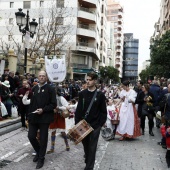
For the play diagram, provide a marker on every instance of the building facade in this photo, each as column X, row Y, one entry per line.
column 130, row 58
column 85, row 45
column 115, row 15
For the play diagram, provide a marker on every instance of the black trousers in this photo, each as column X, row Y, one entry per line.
column 150, row 122
column 41, row 147
column 90, row 146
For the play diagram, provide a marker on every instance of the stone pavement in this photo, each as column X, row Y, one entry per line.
column 142, row 153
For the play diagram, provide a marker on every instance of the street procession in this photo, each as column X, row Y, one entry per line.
column 84, row 85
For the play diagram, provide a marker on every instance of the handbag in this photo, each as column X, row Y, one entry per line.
column 65, row 113
column 3, row 110
column 14, row 111
column 116, row 119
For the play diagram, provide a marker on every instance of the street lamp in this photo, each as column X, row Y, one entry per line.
column 22, row 19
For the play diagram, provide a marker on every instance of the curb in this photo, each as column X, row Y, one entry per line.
column 9, row 125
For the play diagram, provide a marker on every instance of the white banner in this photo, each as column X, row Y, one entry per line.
column 2, row 66
column 56, row 68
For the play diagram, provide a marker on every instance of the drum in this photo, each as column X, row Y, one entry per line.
column 79, row 131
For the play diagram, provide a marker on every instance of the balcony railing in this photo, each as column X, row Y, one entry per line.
column 87, row 10
column 84, row 44
column 88, row 27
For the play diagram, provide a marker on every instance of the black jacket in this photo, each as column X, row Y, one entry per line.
column 98, row 113
column 140, row 101
column 45, row 98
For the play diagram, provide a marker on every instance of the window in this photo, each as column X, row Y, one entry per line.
column 77, row 59
column 60, row 20
column 41, row 3
column 59, row 38
column 11, row 20
column 9, row 37
column 102, row 21
column 27, row 4
column 104, row 59
column 11, row 4
column 60, row 3
column 41, row 20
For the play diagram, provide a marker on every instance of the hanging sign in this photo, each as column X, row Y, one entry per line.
column 56, row 68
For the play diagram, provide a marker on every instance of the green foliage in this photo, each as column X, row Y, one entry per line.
column 109, row 72
column 160, row 58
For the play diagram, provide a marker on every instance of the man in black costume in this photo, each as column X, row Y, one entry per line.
column 96, row 117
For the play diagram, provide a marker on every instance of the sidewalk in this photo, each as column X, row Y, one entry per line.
column 8, row 125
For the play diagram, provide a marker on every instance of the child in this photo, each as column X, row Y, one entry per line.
column 165, row 131
column 111, row 113
column 72, row 108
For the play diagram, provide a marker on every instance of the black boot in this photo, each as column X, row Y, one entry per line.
column 151, row 133
column 36, row 158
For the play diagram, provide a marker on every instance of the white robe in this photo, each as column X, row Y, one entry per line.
column 126, row 125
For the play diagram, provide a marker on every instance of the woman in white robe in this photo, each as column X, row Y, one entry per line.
column 129, row 126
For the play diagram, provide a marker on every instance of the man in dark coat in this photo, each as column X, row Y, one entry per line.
column 43, row 102
column 96, row 117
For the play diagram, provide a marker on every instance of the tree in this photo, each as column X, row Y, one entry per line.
column 145, row 74
column 109, row 72
column 160, row 56
column 52, row 33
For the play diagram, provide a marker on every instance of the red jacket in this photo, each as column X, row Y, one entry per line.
column 166, row 135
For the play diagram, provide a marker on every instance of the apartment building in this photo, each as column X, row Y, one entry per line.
column 82, row 45
column 163, row 23
column 115, row 16
column 103, row 37
column 85, row 51
column 130, row 58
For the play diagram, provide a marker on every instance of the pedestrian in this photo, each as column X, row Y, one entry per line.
column 41, row 114
column 23, row 109
column 129, row 126
column 6, row 96
column 156, row 91
column 165, row 131
column 145, row 108
column 96, row 117
column 59, row 121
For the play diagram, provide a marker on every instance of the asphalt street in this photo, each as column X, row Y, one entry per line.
column 142, row 153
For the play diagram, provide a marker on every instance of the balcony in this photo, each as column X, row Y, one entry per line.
column 87, row 27
column 86, row 32
column 120, row 14
column 117, row 64
column 86, row 15
column 118, row 50
column 87, row 3
column 86, row 47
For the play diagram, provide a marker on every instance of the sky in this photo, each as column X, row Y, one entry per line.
column 139, row 19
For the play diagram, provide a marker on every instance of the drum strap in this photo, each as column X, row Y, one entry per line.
column 88, row 110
